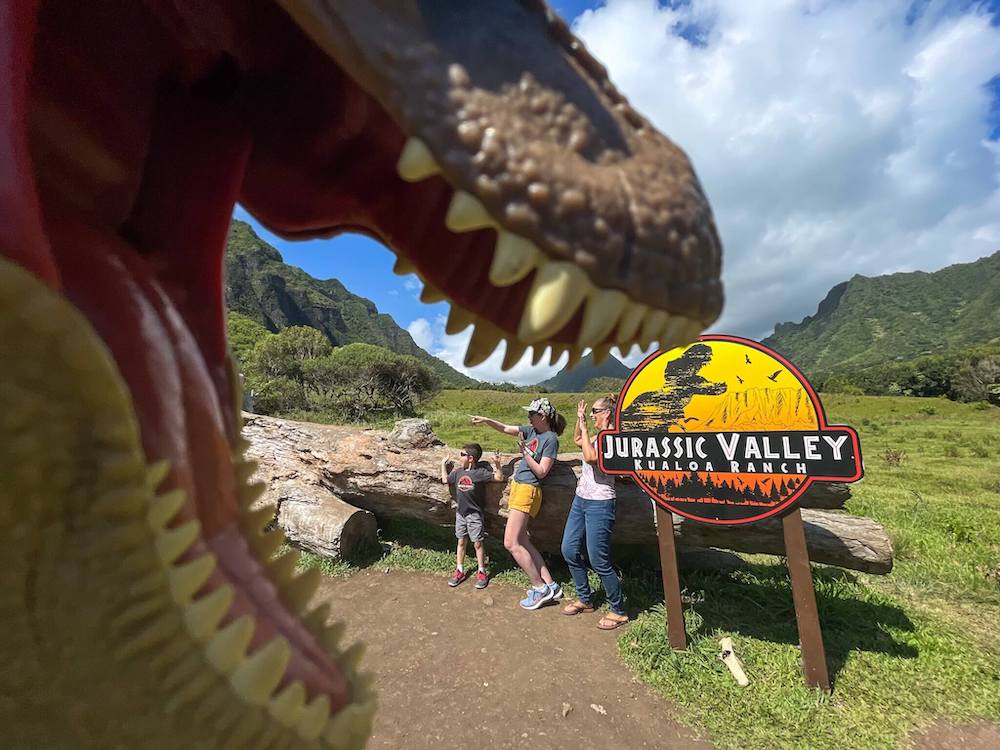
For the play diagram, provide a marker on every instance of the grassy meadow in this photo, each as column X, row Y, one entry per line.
column 905, row 650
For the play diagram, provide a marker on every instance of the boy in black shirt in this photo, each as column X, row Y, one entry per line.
column 470, row 493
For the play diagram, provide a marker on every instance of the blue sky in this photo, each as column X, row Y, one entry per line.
column 832, row 137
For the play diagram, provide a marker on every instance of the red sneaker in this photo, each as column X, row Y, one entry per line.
column 457, row 577
column 482, row 580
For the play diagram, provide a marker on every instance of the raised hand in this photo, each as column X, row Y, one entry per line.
column 581, row 409
column 477, row 420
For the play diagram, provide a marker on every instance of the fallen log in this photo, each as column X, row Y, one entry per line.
column 313, row 518
column 368, row 470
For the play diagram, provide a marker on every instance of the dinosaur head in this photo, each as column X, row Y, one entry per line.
column 479, row 141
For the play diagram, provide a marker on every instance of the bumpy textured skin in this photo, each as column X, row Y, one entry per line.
column 546, row 152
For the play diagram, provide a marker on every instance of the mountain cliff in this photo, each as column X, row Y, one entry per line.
column 276, row 295
column 868, row 321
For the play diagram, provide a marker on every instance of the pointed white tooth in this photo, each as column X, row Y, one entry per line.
column 670, row 334
column 315, row 621
column 430, row 294
column 485, row 338
column 403, row 267
column 630, row 320
column 466, row 213
column 350, row 726
column 255, row 521
column 556, row 352
column 556, row 292
column 600, row 315
column 266, row 544
column 248, row 493
column 163, row 508
column 203, row 616
column 651, row 327
column 691, row 331
column 600, row 354
column 575, row 353
column 283, row 568
column 513, row 354
column 300, row 590
column 458, row 320
column 332, row 636
column 244, row 470
column 187, row 579
column 172, row 543
column 313, row 718
column 537, row 353
column 257, row 676
column 350, row 660
column 227, row 647
column 416, row 161
column 513, row 259
column 156, row 473
column 287, row 705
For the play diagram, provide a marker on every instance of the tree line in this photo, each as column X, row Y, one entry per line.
column 298, row 370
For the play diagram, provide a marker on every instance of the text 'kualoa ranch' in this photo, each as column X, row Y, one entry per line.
column 816, row 452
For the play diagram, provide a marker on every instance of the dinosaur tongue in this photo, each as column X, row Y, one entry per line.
column 134, row 301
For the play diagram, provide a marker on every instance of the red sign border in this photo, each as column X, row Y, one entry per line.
column 788, row 503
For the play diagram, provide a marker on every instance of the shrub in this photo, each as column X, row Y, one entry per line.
column 604, row 385
column 894, row 456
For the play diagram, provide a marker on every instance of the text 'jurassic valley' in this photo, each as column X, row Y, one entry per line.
column 831, row 452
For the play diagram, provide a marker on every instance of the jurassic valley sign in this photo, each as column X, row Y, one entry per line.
column 725, row 431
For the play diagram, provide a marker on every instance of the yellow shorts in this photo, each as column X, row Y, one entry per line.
column 525, row 497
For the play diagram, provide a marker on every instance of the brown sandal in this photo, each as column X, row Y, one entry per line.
column 608, row 622
column 576, row 608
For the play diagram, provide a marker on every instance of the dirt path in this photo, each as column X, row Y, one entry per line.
column 466, row 668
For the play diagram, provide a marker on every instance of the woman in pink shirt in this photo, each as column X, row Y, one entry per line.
column 591, row 522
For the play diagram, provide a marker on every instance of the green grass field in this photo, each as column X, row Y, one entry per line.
column 904, row 650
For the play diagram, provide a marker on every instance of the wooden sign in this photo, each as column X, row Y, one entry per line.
column 726, row 431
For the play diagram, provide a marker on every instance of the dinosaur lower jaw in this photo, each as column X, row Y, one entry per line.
column 215, row 559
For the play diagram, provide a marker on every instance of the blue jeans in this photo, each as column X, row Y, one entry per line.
column 592, row 521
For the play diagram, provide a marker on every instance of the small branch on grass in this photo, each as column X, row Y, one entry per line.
column 731, row 660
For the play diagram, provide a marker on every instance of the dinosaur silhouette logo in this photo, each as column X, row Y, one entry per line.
column 725, row 431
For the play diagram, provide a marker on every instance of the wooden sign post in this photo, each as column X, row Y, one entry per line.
column 728, row 432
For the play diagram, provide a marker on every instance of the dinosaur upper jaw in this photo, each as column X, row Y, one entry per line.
column 132, row 130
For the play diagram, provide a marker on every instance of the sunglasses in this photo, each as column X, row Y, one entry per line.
column 595, row 411
column 463, row 454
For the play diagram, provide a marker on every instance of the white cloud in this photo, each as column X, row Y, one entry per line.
column 832, row 138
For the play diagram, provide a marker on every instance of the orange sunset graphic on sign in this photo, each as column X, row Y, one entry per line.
column 719, row 386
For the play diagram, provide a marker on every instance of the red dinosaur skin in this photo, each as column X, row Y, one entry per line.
column 129, row 132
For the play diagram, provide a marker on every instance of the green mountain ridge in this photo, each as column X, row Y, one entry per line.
column 260, row 285
column 874, row 320
column 573, row 381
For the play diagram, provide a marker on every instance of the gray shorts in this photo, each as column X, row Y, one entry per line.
column 471, row 525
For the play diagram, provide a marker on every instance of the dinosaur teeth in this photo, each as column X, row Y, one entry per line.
column 316, row 620
column 313, row 718
column 416, row 161
column 255, row 521
column 555, row 353
column 466, row 213
column 630, row 320
column 243, row 470
column 158, row 632
column 350, row 660
column 164, row 507
column 119, row 504
column 187, row 579
column 651, row 327
column 283, row 568
column 485, row 338
column 332, row 636
column 600, row 354
column 458, row 320
column 156, row 473
column 556, row 292
column 300, row 590
column 248, row 493
column 189, row 690
column 286, row 707
column 537, row 353
column 228, row 645
column 514, row 258
column 172, row 543
column 671, row 332
column 600, row 315
column 403, row 267
column 513, row 353
column 691, row 331
column 139, row 611
column 266, row 544
column 350, row 726
column 575, row 353
column 430, row 294
column 257, row 676
column 202, row 616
